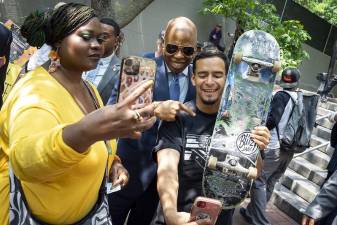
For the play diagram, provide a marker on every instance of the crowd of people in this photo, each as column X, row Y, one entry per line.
column 66, row 142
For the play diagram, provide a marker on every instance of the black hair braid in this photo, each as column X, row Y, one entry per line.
column 33, row 28
column 65, row 20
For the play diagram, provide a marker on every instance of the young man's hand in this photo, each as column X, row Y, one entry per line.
column 306, row 220
column 183, row 218
column 118, row 174
column 167, row 110
column 261, row 136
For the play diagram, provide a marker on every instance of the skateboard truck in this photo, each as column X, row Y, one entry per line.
column 232, row 164
column 276, row 65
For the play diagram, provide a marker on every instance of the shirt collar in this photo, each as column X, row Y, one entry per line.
column 107, row 59
column 185, row 71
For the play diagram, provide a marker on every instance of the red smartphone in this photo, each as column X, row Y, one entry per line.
column 134, row 71
column 204, row 208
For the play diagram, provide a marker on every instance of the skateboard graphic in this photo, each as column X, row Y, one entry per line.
column 232, row 155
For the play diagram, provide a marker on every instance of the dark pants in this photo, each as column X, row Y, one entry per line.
column 274, row 166
column 139, row 210
column 328, row 220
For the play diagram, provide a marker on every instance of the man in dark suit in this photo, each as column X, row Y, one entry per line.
column 5, row 46
column 106, row 74
column 140, row 198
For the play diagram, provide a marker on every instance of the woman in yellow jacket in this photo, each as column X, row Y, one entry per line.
column 51, row 133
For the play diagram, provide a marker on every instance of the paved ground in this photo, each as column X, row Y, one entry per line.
column 276, row 217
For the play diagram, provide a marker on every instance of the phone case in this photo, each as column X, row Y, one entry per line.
column 134, row 71
column 206, row 208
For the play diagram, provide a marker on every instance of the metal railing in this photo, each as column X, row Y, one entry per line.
column 308, row 150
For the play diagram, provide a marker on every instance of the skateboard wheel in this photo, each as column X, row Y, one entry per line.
column 212, row 162
column 237, row 57
column 276, row 66
column 252, row 173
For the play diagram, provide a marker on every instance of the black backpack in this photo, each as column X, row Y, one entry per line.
column 297, row 132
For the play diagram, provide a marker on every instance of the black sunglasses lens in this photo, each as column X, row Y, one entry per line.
column 171, row 49
column 188, row 51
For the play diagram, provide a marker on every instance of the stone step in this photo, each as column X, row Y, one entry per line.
column 325, row 122
column 300, row 185
column 322, row 111
column 328, row 105
column 314, row 141
column 322, row 132
column 318, row 158
column 308, row 170
column 288, row 202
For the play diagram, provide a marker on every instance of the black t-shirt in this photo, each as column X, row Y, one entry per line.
column 190, row 136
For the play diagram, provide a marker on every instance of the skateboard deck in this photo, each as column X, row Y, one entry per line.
column 232, row 155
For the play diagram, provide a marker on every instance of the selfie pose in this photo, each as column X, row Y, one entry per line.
column 56, row 138
column 181, row 164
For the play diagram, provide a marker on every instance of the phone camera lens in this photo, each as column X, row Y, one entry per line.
column 201, row 204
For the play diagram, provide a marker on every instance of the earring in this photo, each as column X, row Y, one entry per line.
column 55, row 61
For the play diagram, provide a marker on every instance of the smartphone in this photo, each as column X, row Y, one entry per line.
column 134, row 71
column 204, row 208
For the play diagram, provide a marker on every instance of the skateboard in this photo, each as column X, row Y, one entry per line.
column 232, row 155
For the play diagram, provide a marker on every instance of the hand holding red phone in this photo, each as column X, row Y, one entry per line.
column 183, row 218
column 205, row 209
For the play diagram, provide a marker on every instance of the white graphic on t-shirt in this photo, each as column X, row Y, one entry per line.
column 196, row 148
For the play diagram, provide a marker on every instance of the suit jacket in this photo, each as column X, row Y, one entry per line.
column 5, row 46
column 109, row 79
column 136, row 155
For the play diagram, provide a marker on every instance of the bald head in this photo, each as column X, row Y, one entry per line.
column 182, row 24
column 179, row 42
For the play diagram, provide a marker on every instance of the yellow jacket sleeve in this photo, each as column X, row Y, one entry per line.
column 37, row 151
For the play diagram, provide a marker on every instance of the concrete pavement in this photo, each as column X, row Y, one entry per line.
column 276, row 217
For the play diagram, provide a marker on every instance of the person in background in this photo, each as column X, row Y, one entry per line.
column 105, row 76
column 321, row 216
column 322, row 210
column 172, row 87
column 160, row 47
column 215, row 37
column 5, row 46
column 332, row 166
column 56, row 136
column 199, row 47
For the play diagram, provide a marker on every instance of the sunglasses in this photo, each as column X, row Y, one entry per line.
column 172, row 49
column 2, row 61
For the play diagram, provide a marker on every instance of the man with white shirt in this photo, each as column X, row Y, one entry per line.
column 106, row 74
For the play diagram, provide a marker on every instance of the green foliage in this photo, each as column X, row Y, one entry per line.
column 253, row 14
column 327, row 9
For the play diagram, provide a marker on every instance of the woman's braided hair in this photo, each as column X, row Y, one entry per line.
column 53, row 26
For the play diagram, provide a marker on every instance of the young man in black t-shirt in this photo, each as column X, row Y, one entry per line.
column 181, row 144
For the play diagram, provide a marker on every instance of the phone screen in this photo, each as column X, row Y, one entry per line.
column 134, row 71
